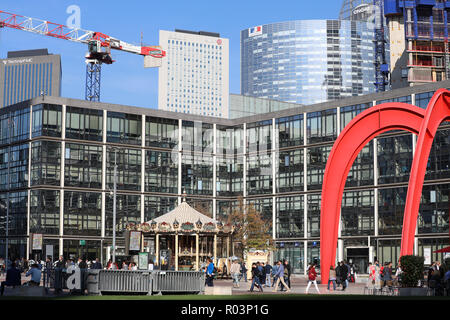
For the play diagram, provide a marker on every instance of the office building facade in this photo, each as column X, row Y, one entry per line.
column 62, row 164
column 308, row 61
column 194, row 76
column 28, row 74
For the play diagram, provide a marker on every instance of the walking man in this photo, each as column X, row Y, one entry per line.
column 235, row 271
column 280, row 277
column 268, row 274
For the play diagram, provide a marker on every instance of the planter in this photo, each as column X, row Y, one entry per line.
column 412, row 292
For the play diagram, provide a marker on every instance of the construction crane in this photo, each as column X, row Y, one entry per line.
column 99, row 46
column 381, row 66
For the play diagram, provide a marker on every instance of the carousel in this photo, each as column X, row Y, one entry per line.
column 183, row 238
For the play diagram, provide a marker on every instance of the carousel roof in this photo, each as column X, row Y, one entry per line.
column 182, row 214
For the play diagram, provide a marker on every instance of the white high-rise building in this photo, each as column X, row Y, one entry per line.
column 194, row 76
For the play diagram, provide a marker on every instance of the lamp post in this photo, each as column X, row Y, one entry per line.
column 11, row 123
column 114, row 206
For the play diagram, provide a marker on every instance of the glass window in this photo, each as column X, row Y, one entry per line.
column 44, row 212
column 317, row 160
column 124, row 128
column 46, row 163
column 230, row 176
column 321, row 126
column 422, row 99
column 197, row 173
column 82, row 213
column 160, row 132
column 259, row 174
column 84, row 124
column 290, row 171
column 128, row 210
column 349, row 112
column 394, row 158
column 83, row 165
column 361, row 172
column 357, row 213
column 289, row 131
column 293, row 252
column 313, row 216
column 259, row 136
column 230, row 140
column 289, row 217
column 155, row 207
column 434, row 209
column 438, row 161
column 161, row 171
column 128, row 168
column 47, row 120
column 198, row 137
column 18, row 203
column 391, row 206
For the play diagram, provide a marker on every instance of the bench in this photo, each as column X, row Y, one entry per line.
column 25, row 291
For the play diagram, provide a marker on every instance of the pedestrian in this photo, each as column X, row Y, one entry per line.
column 262, row 272
column 332, row 278
column 209, row 273
column 274, row 272
column 348, row 273
column 377, row 275
column 133, row 266
column 447, row 282
column 338, row 275
column 59, row 267
column 387, row 274
column 343, row 273
column 280, row 277
column 13, row 278
column 97, row 264
column 372, row 276
column 398, row 275
column 256, row 273
column 48, row 270
column 35, row 273
column 124, row 265
column 244, row 271
column 235, row 271
column 268, row 270
column 151, row 266
column 312, row 275
column 287, row 273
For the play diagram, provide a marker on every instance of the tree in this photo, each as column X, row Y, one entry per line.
column 251, row 230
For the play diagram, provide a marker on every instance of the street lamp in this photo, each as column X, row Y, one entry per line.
column 114, row 206
column 11, row 123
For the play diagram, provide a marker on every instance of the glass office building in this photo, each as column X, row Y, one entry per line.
column 62, row 154
column 308, row 61
column 28, row 74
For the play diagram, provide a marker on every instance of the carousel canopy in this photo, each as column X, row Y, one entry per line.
column 182, row 214
column 183, row 218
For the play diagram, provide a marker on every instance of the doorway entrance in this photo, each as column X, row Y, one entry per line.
column 359, row 257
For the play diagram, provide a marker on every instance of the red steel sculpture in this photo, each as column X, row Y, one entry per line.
column 362, row 129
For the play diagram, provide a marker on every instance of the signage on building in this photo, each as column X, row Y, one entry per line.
column 255, row 31
column 143, row 261
column 135, row 240
column 17, row 61
column 427, row 255
column 36, row 241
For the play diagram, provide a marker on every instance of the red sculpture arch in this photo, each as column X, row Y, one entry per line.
column 438, row 111
column 362, row 129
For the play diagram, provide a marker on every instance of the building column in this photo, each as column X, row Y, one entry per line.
column 157, row 250
column 176, row 251
column 180, row 155
column 197, row 253
column 228, row 246
column 214, row 171
column 215, row 249
column 143, row 156
column 62, row 164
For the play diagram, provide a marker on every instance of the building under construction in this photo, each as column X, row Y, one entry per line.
column 418, row 35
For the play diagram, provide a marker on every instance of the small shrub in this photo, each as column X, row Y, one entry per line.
column 412, row 270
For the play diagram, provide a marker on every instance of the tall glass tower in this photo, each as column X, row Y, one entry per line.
column 308, row 61
column 28, row 74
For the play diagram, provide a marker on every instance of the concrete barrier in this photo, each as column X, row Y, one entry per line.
column 218, row 291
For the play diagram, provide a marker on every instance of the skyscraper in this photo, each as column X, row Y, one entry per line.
column 27, row 74
column 194, row 76
column 308, row 61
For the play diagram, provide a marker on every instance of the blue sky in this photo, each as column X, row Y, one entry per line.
column 126, row 81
